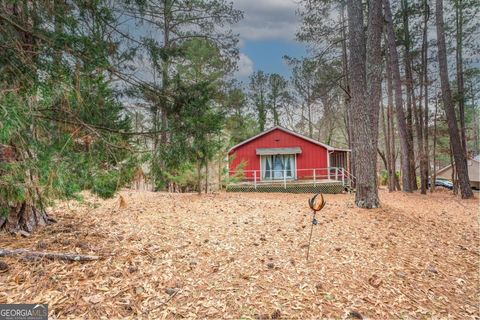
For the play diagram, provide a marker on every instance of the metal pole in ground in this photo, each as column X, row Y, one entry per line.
column 315, row 206
column 310, row 236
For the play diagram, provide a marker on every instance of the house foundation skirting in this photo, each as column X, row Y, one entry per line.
column 329, row 188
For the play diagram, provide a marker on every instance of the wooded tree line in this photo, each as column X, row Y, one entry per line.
column 404, row 72
column 95, row 94
column 377, row 70
column 308, row 102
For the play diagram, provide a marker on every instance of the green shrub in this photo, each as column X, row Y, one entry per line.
column 185, row 178
column 105, row 184
column 383, row 179
column 238, row 174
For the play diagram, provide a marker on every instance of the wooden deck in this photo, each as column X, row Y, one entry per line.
column 315, row 180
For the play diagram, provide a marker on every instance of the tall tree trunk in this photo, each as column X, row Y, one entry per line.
column 156, row 143
column 276, row 117
column 386, row 137
column 400, row 114
column 374, row 66
column 161, row 111
column 220, row 171
column 262, row 113
column 420, row 141
column 411, row 104
column 206, row 176
column 455, row 140
column 390, row 140
column 425, row 162
column 199, row 177
column 165, row 68
column 460, row 81
column 347, row 97
column 434, row 155
column 365, row 59
column 309, row 114
column 29, row 214
column 454, row 176
column 418, row 111
column 23, row 215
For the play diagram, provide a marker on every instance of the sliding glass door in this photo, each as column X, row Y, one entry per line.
column 276, row 167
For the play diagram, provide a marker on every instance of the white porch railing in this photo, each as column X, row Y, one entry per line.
column 310, row 176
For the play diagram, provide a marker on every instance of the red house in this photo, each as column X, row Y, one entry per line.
column 281, row 154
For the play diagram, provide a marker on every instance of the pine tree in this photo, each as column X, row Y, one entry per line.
column 62, row 129
column 366, row 71
column 259, row 97
column 455, row 140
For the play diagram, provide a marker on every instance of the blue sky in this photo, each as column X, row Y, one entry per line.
column 267, row 33
column 268, row 55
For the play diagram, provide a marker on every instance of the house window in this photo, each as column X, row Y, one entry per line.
column 278, row 166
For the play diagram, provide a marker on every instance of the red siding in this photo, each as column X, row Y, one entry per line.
column 312, row 156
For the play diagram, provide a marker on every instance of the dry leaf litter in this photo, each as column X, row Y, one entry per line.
column 231, row 256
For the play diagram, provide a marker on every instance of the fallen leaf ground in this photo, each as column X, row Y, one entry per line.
column 231, row 256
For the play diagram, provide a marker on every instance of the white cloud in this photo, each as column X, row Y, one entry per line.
column 245, row 66
column 267, row 19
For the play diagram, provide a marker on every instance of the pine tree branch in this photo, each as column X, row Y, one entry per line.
column 101, row 128
column 46, row 255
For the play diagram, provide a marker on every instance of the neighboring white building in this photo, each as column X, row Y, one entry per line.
column 473, row 172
